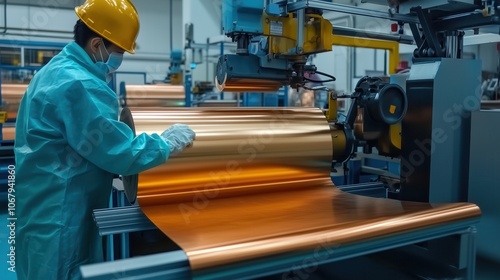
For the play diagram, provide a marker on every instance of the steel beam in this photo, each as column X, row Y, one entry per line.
column 348, row 9
column 360, row 33
column 465, row 22
column 429, row 31
column 170, row 265
column 416, row 34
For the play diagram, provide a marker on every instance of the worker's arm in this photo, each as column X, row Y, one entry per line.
column 93, row 131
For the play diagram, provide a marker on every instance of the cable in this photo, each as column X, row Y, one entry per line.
column 332, row 78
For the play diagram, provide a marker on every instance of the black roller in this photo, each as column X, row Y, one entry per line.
column 385, row 103
column 388, row 105
column 130, row 182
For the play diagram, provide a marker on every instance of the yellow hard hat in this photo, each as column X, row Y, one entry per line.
column 115, row 20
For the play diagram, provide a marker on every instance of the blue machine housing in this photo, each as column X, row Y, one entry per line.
column 242, row 16
column 175, row 62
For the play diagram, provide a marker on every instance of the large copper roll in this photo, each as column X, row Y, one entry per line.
column 8, row 132
column 258, row 141
column 155, row 96
column 257, row 183
column 11, row 96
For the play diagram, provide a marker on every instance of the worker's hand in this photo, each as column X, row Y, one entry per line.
column 178, row 137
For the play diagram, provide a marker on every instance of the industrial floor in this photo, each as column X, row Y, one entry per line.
column 359, row 268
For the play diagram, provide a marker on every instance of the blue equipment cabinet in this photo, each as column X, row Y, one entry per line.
column 242, row 16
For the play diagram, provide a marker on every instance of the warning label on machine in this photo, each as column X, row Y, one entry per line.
column 276, row 28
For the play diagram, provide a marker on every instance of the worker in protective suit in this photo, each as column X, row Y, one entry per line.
column 69, row 143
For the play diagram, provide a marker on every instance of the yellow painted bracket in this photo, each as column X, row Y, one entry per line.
column 331, row 113
column 395, row 135
column 392, row 47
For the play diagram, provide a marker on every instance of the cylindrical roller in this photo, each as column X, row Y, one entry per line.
column 247, row 85
column 251, row 146
column 243, row 73
column 154, row 96
column 11, row 97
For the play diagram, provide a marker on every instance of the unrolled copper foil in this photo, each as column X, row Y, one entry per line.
column 257, row 183
column 155, row 96
column 12, row 95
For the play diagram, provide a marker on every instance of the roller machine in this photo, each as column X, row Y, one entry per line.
column 422, row 118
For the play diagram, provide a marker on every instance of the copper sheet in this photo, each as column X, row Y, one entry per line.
column 12, row 95
column 256, row 183
column 155, row 95
column 248, row 85
column 8, row 132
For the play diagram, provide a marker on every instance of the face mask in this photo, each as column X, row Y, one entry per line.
column 110, row 66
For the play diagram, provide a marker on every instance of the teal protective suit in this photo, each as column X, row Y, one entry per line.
column 69, row 143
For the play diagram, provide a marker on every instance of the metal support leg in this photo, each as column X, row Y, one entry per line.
column 285, row 97
column 416, row 34
column 429, row 32
column 125, row 249
column 110, row 248
column 301, row 18
column 468, row 252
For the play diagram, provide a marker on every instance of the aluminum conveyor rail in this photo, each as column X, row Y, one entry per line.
column 121, row 220
column 169, row 265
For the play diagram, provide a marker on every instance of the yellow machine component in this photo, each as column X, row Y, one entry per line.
column 3, row 116
column 176, row 79
column 331, row 113
column 39, row 57
column 282, row 32
column 387, row 139
column 318, row 37
column 339, row 143
column 395, row 135
column 392, row 47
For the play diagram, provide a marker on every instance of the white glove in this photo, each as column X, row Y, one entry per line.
column 178, row 137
